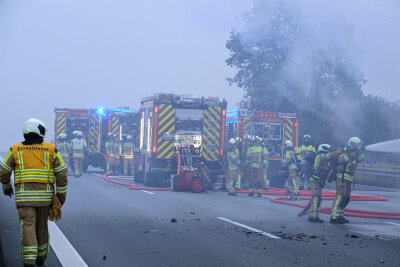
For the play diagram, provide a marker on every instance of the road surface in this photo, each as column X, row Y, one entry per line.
column 106, row 224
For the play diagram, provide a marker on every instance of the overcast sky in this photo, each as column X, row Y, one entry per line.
column 87, row 53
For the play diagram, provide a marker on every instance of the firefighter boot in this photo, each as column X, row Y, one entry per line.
column 315, row 220
column 259, row 192
column 339, row 220
column 251, row 193
column 344, row 219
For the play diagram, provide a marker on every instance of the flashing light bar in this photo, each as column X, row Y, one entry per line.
column 102, row 111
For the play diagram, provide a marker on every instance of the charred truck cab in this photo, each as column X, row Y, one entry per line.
column 273, row 127
column 95, row 125
column 171, row 122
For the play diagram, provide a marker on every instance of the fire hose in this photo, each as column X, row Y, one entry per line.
column 134, row 186
column 331, row 196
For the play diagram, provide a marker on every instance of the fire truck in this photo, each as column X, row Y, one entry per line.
column 170, row 122
column 275, row 127
column 95, row 125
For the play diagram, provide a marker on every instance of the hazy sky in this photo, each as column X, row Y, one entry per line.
column 83, row 54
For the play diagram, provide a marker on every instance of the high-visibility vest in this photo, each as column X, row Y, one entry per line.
column 78, row 146
column 112, row 148
column 63, row 148
column 33, row 163
column 233, row 160
column 128, row 148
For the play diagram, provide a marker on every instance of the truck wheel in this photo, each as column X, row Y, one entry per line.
column 197, row 185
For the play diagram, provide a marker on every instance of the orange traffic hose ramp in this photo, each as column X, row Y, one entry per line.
column 306, row 195
column 134, row 186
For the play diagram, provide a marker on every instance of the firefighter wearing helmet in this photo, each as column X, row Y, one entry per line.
column 346, row 168
column 233, row 166
column 64, row 148
column 128, row 149
column 292, row 161
column 244, row 167
column 317, row 180
column 257, row 162
column 307, row 159
column 112, row 152
column 78, row 153
column 38, row 169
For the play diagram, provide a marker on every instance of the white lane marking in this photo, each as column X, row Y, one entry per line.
column 65, row 252
column 97, row 174
column 249, row 228
column 148, row 192
column 392, row 223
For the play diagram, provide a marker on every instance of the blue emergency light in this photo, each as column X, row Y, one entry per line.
column 100, row 111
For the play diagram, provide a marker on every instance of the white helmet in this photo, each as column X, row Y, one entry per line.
column 257, row 138
column 248, row 137
column 289, row 143
column 355, row 143
column 34, row 126
column 238, row 139
column 63, row 135
column 79, row 133
column 232, row 141
column 324, row 148
column 129, row 137
column 307, row 136
column 75, row 132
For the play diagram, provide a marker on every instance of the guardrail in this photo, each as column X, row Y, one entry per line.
column 378, row 177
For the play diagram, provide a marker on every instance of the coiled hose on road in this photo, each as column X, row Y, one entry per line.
column 305, row 195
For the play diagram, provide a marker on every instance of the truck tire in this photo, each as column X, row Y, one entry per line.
column 197, row 185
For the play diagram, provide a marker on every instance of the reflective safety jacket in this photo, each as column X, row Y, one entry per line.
column 234, row 160
column 64, row 148
column 321, row 163
column 304, row 152
column 128, row 150
column 36, row 169
column 347, row 165
column 112, row 149
column 257, row 157
column 78, row 148
column 290, row 159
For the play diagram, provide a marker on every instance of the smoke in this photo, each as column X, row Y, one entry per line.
column 316, row 61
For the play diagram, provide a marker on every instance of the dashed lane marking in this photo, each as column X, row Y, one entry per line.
column 148, row 192
column 249, row 228
column 63, row 249
column 392, row 223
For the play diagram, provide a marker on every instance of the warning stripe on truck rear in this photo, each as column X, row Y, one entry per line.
column 114, row 125
column 94, row 133
column 212, row 128
column 163, row 143
column 291, row 130
column 61, row 123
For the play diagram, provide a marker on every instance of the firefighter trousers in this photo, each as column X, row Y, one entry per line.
column 315, row 198
column 128, row 166
column 233, row 179
column 34, row 233
column 343, row 191
column 256, row 179
column 293, row 186
column 78, row 166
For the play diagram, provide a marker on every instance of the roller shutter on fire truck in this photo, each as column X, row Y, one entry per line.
column 213, row 133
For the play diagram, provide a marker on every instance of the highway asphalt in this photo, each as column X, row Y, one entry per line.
column 109, row 225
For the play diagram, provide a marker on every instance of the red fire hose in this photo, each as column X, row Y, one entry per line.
column 331, row 196
column 133, row 186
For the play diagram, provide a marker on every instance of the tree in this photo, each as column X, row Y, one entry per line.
column 285, row 63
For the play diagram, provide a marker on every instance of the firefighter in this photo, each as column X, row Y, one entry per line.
column 78, row 153
column 128, row 149
column 37, row 166
column 265, row 165
column 307, row 157
column 256, row 159
column 317, row 180
column 346, row 167
column 64, row 148
column 292, row 161
column 233, row 166
column 112, row 151
column 239, row 180
column 244, row 167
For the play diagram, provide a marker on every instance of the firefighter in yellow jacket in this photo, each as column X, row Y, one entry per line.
column 233, row 166
column 292, row 161
column 38, row 168
column 128, row 149
column 257, row 161
column 64, row 148
column 78, row 153
column 346, row 168
column 112, row 152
